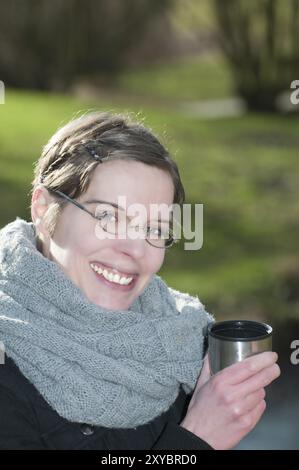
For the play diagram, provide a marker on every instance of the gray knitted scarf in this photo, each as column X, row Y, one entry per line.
column 93, row 365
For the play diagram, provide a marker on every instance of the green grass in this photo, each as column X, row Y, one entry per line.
column 189, row 79
column 244, row 170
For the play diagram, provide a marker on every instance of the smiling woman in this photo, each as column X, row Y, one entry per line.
column 102, row 158
column 74, row 244
column 100, row 352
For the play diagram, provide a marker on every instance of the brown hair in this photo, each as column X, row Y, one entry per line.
column 67, row 164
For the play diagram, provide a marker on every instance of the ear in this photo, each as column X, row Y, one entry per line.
column 40, row 203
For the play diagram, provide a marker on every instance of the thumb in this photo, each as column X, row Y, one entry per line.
column 205, row 374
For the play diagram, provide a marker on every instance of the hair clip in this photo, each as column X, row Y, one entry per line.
column 95, row 155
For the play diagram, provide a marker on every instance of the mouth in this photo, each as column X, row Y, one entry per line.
column 113, row 278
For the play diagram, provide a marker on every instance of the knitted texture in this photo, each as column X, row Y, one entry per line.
column 93, row 365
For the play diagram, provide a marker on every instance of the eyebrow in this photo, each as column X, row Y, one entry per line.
column 98, row 201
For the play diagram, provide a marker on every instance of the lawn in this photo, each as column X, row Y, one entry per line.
column 186, row 79
column 244, row 170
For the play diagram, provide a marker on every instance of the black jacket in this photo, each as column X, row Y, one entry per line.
column 28, row 422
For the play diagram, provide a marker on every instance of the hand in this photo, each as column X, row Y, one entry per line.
column 227, row 406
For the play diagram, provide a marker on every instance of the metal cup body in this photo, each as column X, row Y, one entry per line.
column 233, row 340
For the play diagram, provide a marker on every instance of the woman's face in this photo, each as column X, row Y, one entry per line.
column 76, row 248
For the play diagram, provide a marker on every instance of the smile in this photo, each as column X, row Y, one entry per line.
column 112, row 276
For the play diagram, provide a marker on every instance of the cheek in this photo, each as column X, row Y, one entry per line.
column 71, row 244
column 81, row 248
column 155, row 261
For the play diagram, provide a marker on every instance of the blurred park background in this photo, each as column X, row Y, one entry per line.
column 213, row 78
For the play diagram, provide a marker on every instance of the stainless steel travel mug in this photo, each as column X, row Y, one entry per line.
column 233, row 340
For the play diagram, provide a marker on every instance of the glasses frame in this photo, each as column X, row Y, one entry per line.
column 83, row 208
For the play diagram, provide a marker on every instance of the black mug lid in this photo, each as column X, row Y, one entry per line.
column 240, row 330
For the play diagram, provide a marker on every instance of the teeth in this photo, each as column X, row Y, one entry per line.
column 106, row 274
column 116, row 278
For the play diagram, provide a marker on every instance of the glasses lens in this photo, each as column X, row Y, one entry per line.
column 115, row 221
column 160, row 236
column 111, row 219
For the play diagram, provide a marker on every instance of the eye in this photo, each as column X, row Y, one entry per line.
column 161, row 232
column 155, row 231
column 105, row 215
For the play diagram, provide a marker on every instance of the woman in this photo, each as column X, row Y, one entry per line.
column 100, row 352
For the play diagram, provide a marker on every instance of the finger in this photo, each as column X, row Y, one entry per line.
column 253, row 399
column 259, row 380
column 255, row 415
column 205, row 374
column 249, row 403
column 241, row 371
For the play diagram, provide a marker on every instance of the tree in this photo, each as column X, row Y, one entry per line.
column 47, row 44
column 259, row 38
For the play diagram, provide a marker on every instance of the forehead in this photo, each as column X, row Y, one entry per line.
column 138, row 182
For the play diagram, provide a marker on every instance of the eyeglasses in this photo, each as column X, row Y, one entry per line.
column 115, row 221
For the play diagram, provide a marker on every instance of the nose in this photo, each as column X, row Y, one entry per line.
column 132, row 247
